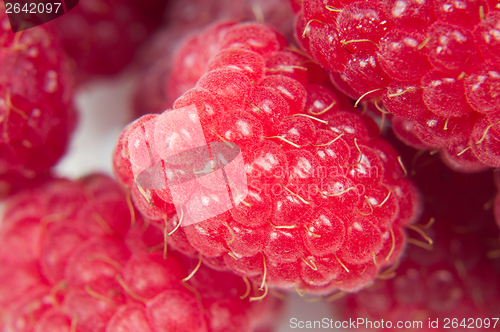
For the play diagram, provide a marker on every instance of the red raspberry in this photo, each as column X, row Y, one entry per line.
column 101, row 36
column 437, row 291
column 448, row 283
column 36, row 108
column 172, row 70
column 412, row 58
column 400, row 56
column 326, row 201
column 71, row 261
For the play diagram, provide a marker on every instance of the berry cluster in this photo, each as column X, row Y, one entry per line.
column 326, row 200
column 70, row 261
column 459, row 279
column 295, row 190
column 433, row 65
column 36, row 112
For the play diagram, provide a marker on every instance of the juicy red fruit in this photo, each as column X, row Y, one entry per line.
column 446, row 283
column 321, row 190
column 111, row 277
column 36, row 111
column 411, row 58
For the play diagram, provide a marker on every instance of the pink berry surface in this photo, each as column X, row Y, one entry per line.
column 77, row 256
column 427, row 63
column 327, row 201
column 451, row 274
column 269, row 157
column 36, row 109
column 172, row 66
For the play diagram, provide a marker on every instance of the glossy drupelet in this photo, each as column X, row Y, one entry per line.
column 75, row 256
column 455, row 282
column 168, row 73
column 36, row 110
column 327, row 200
column 431, row 64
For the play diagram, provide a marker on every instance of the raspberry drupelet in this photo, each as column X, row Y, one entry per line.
column 327, row 200
column 36, row 111
column 75, row 256
column 457, row 283
column 164, row 59
column 430, row 64
column 455, row 292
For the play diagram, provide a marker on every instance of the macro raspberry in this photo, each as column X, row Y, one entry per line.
column 327, row 200
column 430, row 64
column 458, row 281
column 418, row 294
column 76, row 257
column 36, row 110
column 173, row 66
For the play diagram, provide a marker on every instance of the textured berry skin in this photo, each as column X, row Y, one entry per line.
column 327, row 201
column 76, row 257
column 430, row 64
column 173, row 66
column 36, row 111
column 461, row 268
